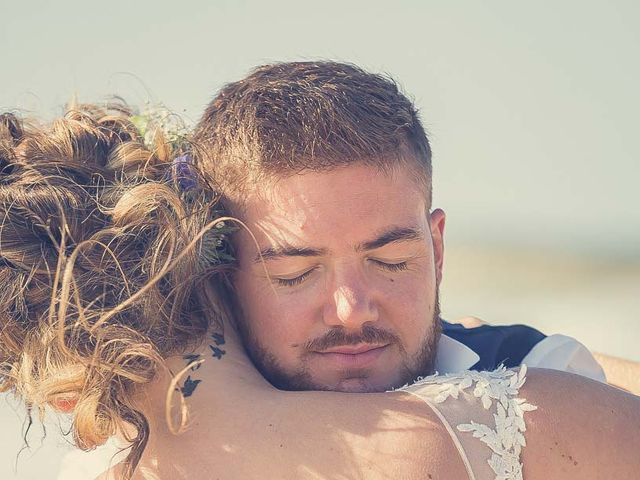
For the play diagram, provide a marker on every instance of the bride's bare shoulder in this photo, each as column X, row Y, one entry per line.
column 582, row 428
column 372, row 436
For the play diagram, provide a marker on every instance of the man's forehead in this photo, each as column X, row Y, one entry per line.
column 333, row 211
column 299, row 229
column 356, row 221
column 314, row 193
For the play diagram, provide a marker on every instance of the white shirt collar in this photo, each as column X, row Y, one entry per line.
column 453, row 356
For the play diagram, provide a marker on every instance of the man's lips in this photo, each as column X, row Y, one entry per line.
column 353, row 349
column 352, row 356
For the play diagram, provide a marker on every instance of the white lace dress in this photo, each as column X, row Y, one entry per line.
column 486, row 420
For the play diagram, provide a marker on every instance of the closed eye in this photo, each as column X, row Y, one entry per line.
column 292, row 282
column 390, row 267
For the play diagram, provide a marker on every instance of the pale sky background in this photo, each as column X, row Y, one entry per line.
column 531, row 106
column 532, row 110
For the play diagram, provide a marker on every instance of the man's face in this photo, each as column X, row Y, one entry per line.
column 340, row 292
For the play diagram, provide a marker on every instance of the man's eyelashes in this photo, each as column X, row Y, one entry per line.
column 391, row 267
column 294, row 281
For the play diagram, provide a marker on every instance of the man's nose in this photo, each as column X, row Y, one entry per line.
column 352, row 304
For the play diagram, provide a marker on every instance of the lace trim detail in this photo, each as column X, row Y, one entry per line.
column 506, row 437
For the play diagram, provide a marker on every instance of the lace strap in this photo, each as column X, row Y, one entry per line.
column 452, row 434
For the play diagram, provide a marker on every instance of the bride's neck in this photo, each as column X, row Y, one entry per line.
column 219, row 366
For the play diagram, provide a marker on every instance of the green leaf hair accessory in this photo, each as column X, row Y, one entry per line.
column 156, row 119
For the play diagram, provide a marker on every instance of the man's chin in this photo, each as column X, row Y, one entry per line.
column 355, row 381
column 357, row 385
column 352, row 383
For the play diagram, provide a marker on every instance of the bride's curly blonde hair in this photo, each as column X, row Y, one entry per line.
column 99, row 279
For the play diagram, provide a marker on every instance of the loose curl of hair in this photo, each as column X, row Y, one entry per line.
column 97, row 268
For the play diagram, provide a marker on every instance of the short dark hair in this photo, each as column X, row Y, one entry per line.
column 285, row 118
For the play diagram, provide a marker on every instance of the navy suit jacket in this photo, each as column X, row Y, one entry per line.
column 496, row 345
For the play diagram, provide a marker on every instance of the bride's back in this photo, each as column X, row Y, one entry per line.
column 582, row 429
column 465, row 426
column 510, row 424
column 537, row 424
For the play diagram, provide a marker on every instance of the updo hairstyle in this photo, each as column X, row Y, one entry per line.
column 105, row 264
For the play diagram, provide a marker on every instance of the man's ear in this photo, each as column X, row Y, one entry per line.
column 436, row 223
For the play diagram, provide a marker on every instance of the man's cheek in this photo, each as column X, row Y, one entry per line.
column 282, row 321
column 408, row 293
column 296, row 308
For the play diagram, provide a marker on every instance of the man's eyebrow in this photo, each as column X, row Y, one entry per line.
column 274, row 253
column 398, row 234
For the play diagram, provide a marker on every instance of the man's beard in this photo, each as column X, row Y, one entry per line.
column 421, row 365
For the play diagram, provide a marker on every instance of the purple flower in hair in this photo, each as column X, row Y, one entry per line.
column 182, row 172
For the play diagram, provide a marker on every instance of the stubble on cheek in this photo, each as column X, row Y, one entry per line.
column 267, row 363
